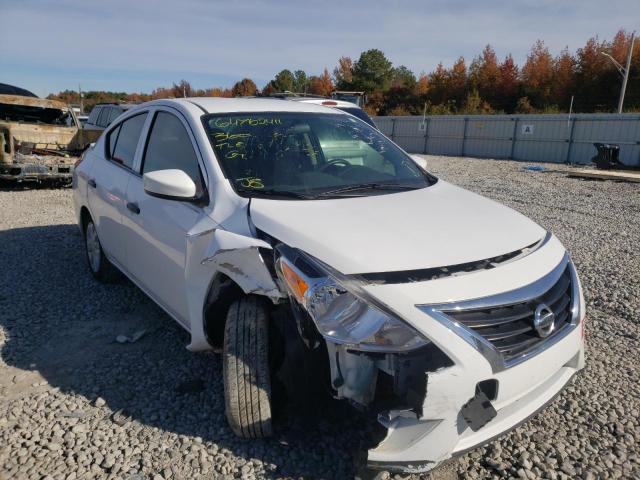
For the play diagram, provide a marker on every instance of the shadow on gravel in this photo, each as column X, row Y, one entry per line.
column 62, row 324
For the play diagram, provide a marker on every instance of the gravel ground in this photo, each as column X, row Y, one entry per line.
column 75, row 403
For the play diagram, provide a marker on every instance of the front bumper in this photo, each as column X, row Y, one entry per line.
column 420, row 441
column 415, row 445
column 36, row 171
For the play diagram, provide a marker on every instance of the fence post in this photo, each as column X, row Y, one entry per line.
column 513, row 136
column 573, row 123
column 426, row 133
column 464, row 134
column 393, row 128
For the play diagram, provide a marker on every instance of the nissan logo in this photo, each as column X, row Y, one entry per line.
column 544, row 321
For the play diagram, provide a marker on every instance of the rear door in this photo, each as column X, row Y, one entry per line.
column 110, row 175
column 157, row 228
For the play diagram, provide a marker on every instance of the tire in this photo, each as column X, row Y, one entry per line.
column 245, row 365
column 99, row 265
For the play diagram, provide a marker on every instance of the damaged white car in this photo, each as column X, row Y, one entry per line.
column 289, row 232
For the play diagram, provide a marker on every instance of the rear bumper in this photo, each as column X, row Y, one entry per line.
column 36, row 171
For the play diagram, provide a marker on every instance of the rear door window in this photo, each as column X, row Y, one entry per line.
column 169, row 146
column 123, row 140
column 93, row 117
column 115, row 113
column 104, row 117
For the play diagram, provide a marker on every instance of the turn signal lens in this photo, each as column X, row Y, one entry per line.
column 295, row 282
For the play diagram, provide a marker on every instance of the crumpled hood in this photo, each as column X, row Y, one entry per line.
column 437, row 226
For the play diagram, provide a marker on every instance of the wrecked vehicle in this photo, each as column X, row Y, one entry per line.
column 40, row 139
column 290, row 232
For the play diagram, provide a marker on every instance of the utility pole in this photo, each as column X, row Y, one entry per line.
column 81, row 102
column 626, row 74
column 624, row 71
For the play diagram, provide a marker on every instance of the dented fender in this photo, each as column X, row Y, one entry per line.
column 212, row 250
column 237, row 256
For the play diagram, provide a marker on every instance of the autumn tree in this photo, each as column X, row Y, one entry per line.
column 401, row 97
column 508, row 86
column 537, row 76
column 321, row 85
column 343, row 73
column 484, row 74
column 422, row 86
column 244, row 88
column 438, row 85
column 456, row 82
column 564, row 66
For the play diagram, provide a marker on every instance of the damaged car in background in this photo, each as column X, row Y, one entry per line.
column 40, row 139
column 287, row 233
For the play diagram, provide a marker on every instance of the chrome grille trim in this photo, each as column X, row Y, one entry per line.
column 521, row 295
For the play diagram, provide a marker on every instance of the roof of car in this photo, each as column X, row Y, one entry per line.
column 233, row 105
column 329, row 102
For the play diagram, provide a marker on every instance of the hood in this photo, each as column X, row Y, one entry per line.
column 438, row 226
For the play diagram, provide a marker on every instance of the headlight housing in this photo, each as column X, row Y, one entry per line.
column 341, row 310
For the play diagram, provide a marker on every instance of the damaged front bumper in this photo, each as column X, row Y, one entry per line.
column 416, row 444
column 442, row 406
column 53, row 168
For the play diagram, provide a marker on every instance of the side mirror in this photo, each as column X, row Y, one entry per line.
column 171, row 184
column 420, row 160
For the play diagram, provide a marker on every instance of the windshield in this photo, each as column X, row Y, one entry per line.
column 309, row 155
column 39, row 115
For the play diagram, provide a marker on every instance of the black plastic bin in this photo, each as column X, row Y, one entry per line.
column 607, row 156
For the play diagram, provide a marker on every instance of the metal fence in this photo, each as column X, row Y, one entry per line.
column 540, row 138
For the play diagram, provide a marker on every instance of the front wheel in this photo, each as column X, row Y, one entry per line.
column 245, row 364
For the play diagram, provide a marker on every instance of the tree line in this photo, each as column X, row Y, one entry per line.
column 545, row 83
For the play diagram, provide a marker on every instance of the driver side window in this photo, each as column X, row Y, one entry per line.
column 169, row 147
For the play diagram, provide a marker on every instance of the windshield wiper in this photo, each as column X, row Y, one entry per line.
column 369, row 186
column 277, row 193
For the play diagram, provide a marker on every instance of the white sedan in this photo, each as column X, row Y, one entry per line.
column 287, row 233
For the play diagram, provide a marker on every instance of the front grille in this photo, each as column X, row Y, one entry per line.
column 510, row 328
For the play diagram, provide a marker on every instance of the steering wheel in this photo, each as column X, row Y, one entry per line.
column 341, row 162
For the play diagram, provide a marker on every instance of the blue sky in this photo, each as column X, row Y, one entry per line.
column 137, row 45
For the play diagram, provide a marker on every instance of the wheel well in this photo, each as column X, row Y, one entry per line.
column 85, row 216
column 222, row 293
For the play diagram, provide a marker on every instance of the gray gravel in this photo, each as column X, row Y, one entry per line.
column 77, row 403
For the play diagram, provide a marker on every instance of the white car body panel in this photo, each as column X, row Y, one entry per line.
column 454, row 226
column 175, row 251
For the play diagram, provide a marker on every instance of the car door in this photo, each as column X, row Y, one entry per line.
column 110, row 175
column 156, row 227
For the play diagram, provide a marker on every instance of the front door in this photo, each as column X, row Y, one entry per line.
column 157, row 228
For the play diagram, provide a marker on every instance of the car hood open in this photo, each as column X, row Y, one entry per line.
column 438, row 226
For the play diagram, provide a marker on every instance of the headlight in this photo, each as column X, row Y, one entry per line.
column 341, row 310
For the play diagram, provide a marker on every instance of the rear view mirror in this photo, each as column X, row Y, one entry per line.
column 171, row 184
column 420, row 160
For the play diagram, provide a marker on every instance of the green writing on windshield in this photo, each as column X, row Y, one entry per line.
column 247, row 121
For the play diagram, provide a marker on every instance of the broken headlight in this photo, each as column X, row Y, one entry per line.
column 341, row 310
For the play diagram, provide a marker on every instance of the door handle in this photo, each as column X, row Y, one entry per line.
column 92, row 183
column 133, row 207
